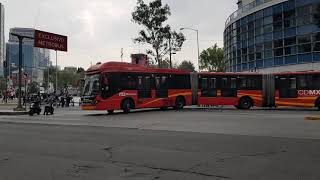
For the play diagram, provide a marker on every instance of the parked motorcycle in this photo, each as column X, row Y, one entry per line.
column 35, row 108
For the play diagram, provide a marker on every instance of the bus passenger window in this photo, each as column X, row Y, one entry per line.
column 224, row 83
column 213, row 83
column 157, row 79
column 293, row 83
column 233, row 83
column 204, row 83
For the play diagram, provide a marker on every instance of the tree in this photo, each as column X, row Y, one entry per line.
column 159, row 36
column 65, row 78
column 187, row 66
column 33, row 88
column 212, row 59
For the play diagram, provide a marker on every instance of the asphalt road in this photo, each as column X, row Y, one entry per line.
column 190, row 144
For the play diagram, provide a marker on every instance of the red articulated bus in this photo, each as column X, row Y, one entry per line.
column 242, row 90
column 123, row 86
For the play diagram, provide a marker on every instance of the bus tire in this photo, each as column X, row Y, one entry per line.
column 180, row 102
column 127, row 105
column 110, row 111
column 318, row 103
column 245, row 103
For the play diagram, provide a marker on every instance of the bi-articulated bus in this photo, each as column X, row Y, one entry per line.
column 123, row 86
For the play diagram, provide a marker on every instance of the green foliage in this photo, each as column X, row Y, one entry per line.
column 33, row 87
column 212, row 59
column 187, row 66
column 159, row 36
column 65, row 78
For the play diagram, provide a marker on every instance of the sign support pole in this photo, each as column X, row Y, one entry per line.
column 20, row 37
column 56, row 89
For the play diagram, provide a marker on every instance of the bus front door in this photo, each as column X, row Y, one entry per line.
column 288, row 87
column 229, row 87
column 161, row 83
column 144, row 87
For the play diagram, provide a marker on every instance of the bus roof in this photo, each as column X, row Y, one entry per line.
column 297, row 73
column 127, row 67
column 230, row 73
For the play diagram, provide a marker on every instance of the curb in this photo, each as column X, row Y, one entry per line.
column 313, row 118
column 13, row 113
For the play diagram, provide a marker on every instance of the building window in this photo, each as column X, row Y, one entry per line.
column 268, row 45
column 304, row 39
column 288, row 23
column 290, row 41
column 304, row 48
column 268, row 20
column 277, row 26
column 316, row 47
column 278, row 43
column 268, row 54
column 278, row 52
column 267, row 28
column 290, row 50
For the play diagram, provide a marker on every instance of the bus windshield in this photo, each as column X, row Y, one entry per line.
column 92, row 85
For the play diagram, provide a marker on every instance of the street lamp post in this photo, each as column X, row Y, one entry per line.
column 20, row 37
column 197, row 31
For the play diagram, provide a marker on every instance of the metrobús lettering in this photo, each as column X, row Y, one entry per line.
column 51, row 44
column 51, row 37
column 309, row 92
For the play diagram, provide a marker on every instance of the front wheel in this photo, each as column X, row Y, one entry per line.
column 127, row 106
column 180, row 102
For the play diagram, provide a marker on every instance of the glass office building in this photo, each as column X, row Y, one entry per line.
column 34, row 60
column 273, row 35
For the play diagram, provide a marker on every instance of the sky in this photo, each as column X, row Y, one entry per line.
column 98, row 29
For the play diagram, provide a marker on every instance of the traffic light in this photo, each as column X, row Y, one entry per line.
column 5, row 64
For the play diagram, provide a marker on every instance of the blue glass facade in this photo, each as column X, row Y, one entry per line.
column 280, row 35
column 12, row 56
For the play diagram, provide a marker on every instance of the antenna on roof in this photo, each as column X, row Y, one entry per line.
column 121, row 54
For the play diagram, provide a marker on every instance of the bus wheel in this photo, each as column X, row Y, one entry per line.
column 110, row 111
column 127, row 105
column 318, row 104
column 245, row 103
column 180, row 102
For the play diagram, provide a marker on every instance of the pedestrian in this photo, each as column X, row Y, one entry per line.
column 62, row 101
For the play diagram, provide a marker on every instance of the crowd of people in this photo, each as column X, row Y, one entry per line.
column 58, row 100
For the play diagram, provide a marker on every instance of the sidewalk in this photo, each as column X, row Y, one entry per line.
column 7, row 109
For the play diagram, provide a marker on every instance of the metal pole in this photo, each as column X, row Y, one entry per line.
column 6, row 76
column 170, row 51
column 20, row 80
column 25, row 92
column 198, row 49
column 56, row 72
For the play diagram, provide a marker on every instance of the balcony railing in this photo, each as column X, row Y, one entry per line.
column 245, row 9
